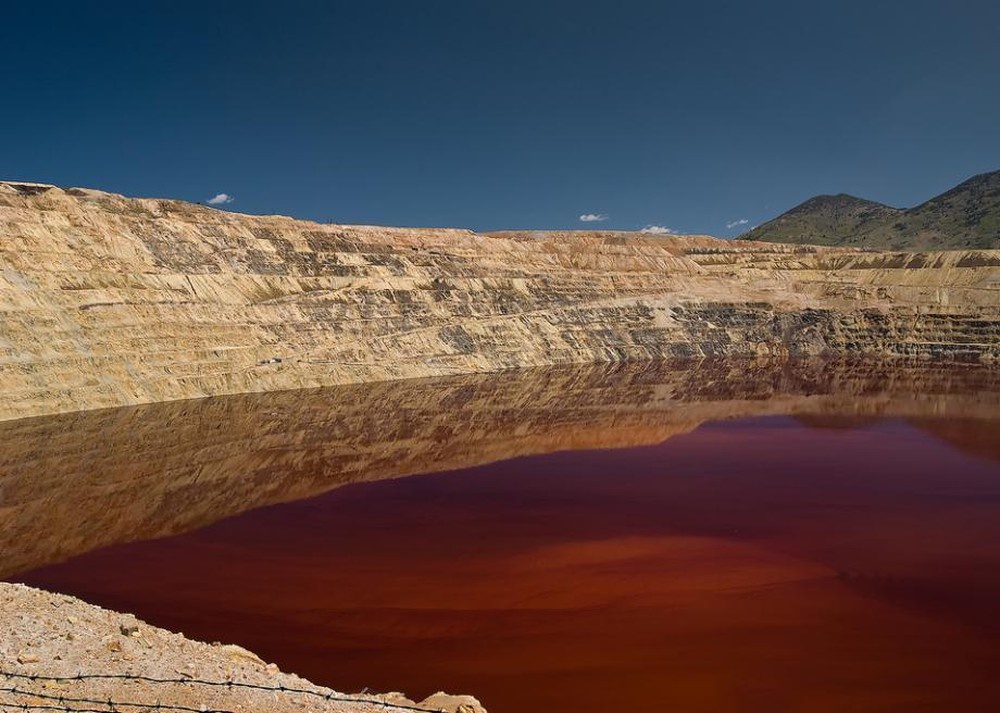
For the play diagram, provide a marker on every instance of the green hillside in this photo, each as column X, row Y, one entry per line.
column 967, row 216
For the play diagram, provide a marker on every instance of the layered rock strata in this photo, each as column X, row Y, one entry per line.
column 106, row 301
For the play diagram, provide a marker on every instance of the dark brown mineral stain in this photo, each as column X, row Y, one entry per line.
column 754, row 564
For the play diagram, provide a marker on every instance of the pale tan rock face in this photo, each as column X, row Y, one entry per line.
column 107, row 301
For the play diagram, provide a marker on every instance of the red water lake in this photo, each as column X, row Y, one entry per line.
column 753, row 564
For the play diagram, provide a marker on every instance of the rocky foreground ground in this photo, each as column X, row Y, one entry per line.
column 47, row 640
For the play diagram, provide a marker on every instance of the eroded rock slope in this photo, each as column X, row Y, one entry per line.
column 106, row 300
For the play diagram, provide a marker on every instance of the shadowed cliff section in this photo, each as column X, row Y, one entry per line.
column 108, row 301
column 75, row 482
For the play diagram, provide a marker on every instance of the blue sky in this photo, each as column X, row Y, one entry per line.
column 488, row 115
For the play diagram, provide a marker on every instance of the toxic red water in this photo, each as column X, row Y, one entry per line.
column 752, row 565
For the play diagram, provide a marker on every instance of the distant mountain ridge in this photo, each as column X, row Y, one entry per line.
column 967, row 216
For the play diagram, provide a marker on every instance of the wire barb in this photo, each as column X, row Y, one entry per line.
column 110, row 705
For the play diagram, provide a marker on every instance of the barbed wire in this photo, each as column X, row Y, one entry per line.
column 185, row 681
column 43, row 707
column 109, row 703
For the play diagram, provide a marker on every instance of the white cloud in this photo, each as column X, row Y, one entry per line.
column 220, row 199
column 593, row 217
column 735, row 223
column 658, row 230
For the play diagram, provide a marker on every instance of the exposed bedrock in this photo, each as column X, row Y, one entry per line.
column 107, row 301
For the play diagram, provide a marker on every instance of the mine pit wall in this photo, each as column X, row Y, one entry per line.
column 107, row 301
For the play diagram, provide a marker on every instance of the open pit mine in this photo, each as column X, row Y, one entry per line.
column 108, row 301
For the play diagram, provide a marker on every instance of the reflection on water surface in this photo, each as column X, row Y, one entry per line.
column 812, row 536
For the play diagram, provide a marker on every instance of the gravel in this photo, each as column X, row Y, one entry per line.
column 53, row 636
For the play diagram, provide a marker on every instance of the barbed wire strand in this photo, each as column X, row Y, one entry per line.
column 42, row 707
column 332, row 697
column 110, row 703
